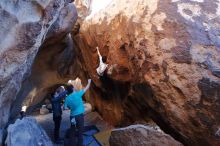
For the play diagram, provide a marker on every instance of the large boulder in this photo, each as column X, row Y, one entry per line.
column 63, row 25
column 24, row 26
column 140, row 135
column 163, row 58
column 27, row 132
column 54, row 60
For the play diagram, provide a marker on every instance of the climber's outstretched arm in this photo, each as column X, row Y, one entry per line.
column 100, row 56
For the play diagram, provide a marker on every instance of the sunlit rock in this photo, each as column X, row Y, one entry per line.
column 163, row 59
column 140, row 135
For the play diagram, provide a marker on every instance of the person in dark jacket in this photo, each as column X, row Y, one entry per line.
column 56, row 100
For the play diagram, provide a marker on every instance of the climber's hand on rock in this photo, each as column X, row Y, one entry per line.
column 89, row 80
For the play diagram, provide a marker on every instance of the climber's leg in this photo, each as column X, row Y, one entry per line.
column 80, row 128
column 57, row 121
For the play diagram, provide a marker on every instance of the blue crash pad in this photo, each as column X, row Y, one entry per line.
column 88, row 136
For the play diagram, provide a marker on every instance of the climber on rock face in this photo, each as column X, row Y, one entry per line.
column 102, row 65
column 75, row 103
column 56, row 100
column 23, row 111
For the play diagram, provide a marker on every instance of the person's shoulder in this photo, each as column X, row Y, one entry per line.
column 67, row 99
column 81, row 91
column 69, row 95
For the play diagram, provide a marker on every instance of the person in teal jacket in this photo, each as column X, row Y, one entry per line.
column 74, row 102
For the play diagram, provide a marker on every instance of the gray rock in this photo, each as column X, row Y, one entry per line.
column 56, row 56
column 24, row 26
column 27, row 132
column 63, row 25
column 140, row 135
column 216, row 73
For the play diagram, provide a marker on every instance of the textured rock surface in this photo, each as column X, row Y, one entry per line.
column 140, row 135
column 27, row 132
column 54, row 61
column 24, row 26
column 163, row 58
column 83, row 8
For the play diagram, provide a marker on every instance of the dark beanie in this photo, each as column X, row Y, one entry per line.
column 69, row 89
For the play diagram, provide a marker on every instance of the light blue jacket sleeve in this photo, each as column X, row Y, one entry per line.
column 66, row 101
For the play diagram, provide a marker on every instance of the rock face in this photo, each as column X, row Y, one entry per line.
column 24, row 26
column 163, row 58
column 54, row 62
column 27, row 132
column 140, row 135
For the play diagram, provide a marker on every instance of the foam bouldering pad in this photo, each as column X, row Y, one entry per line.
column 88, row 137
column 103, row 137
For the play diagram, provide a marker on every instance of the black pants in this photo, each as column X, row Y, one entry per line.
column 79, row 126
column 57, row 122
column 22, row 114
